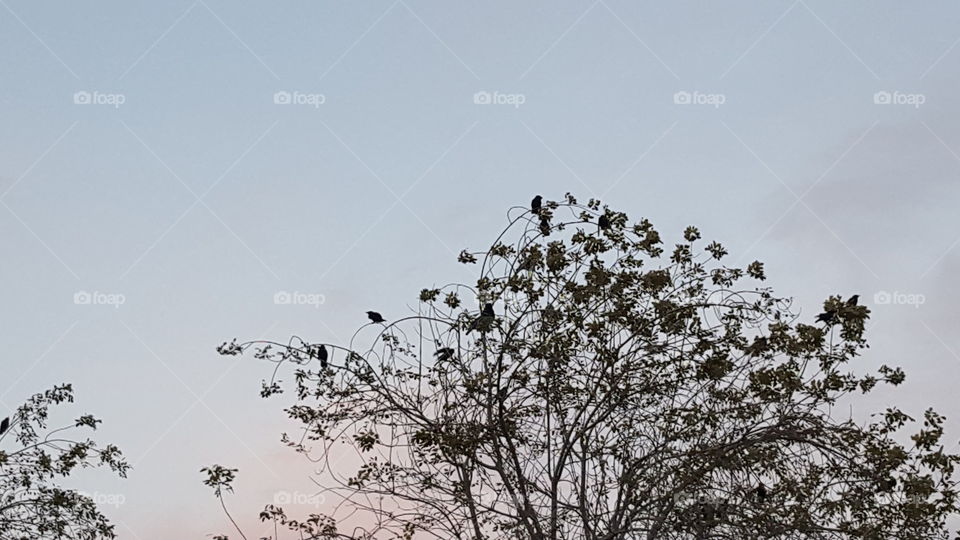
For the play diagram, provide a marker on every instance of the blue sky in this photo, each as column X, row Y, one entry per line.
column 183, row 188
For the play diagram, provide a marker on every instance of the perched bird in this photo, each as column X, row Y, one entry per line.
column 375, row 317
column 761, row 493
column 853, row 300
column 486, row 318
column 444, row 354
column 827, row 316
column 536, row 204
column 322, row 356
column 544, row 226
column 758, row 347
column 4, row 425
column 604, row 222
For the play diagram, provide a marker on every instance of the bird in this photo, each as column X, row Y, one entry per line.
column 544, row 226
column 827, row 316
column 761, row 492
column 536, row 204
column 322, row 356
column 375, row 317
column 604, row 222
column 758, row 346
column 486, row 318
column 4, row 425
column 444, row 354
column 853, row 300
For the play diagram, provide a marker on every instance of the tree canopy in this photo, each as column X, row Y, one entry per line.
column 34, row 458
column 596, row 383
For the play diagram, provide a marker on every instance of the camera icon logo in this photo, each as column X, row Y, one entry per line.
column 281, row 98
column 882, row 98
column 82, row 98
column 482, row 98
column 282, row 298
column 682, row 98
column 882, row 298
column 281, row 498
column 82, row 298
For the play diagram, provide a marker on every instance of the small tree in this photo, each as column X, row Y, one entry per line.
column 32, row 504
column 605, row 388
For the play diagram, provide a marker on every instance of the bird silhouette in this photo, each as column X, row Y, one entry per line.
column 827, row 316
column 758, row 346
column 444, row 354
column 485, row 320
column 4, row 425
column 536, row 204
column 322, row 356
column 853, row 300
column 761, row 493
column 604, row 222
column 375, row 317
column 544, row 226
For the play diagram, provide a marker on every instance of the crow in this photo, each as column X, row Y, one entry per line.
column 827, row 316
column 444, row 354
column 758, row 346
column 322, row 355
column 544, row 226
column 375, row 317
column 853, row 300
column 604, row 222
column 761, row 492
column 4, row 425
column 536, row 204
column 486, row 318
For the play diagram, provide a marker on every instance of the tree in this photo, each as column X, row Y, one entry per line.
column 32, row 504
column 619, row 391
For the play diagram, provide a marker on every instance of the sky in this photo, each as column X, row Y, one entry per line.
column 176, row 174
